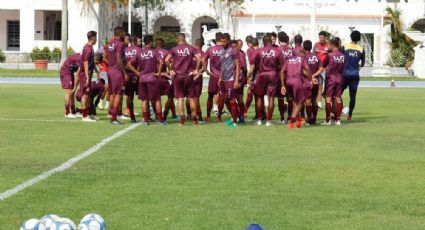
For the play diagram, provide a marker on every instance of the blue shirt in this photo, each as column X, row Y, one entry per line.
column 354, row 59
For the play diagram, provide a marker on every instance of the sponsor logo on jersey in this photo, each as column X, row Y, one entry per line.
column 183, row 53
column 147, row 55
column 268, row 54
column 339, row 59
column 294, row 60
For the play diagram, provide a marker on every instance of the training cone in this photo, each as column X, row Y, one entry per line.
column 254, row 227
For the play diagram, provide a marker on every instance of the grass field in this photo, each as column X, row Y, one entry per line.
column 28, row 73
column 368, row 174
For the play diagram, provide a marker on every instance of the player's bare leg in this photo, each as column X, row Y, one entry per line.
column 328, row 109
column 338, row 110
column 270, row 111
column 158, row 108
column 241, row 107
column 210, row 102
column 180, row 108
column 193, row 113
column 259, row 109
column 199, row 110
column 220, row 107
column 249, row 98
column 145, row 111
column 68, row 103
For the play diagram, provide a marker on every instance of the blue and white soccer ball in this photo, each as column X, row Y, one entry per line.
column 48, row 220
column 96, row 217
column 63, row 224
column 345, row 111
column 91, row 224
column 33, row 224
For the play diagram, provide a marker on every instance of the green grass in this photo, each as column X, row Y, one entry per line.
column 364, row 175
column 28, row 73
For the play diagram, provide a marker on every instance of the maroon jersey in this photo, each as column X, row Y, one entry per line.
column 147, row 60
column 313, row 62
column 214, row 55
column 294, row 67
column 87, row 55
column 130, row 52
column 251, row 52
column 71, row 63
column 182, row 58
column 268, row 58
column 242, row 59
column 334, row 64
column 297, row 50
column 97, row 88
column 200, row 53
column 286, row 52
column 115, row 47
column 163, row 54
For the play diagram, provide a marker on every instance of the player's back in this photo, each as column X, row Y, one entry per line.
column 313, row 62
column 269, row 59
column 148, row 60
column 182, row 58
column 115, row 47
column 72, row 61
column 214, row 55
column 294, row 67
column 286, row 52
column 354, row 54
column 335, row 65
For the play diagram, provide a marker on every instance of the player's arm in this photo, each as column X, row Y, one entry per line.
column 76, row 76
column 130, row 66
column 160, row 65
column 237, row 73
column 205, row 64
column 282, row 79
column 362, row 58
column 86, row 71
column 169, row 64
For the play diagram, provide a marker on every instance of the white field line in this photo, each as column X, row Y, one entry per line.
column 68, row 164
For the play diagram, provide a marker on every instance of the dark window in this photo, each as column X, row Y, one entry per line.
column 136, row 28
column 13, row 35
column 175, row 29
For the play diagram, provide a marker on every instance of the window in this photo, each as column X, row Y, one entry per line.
column 136, row 28
column 13, row 35
column 175, row 29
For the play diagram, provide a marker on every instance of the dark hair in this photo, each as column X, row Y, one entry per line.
column 159, row 40
column 218, row 36
column 355, row 36
column 234, row 42
column 118, row 30
column 335, row 42
column 98, row 57
column 134, row 38
column 298, row 39
column 127, row 35
column 181, row 36
column 102, row 80
column 248, row 39
column 148, row 39
column 308, row 45
column 199, row 42
column 255, row 42
column 226, row 36
column 273, row 34
column 323, row 33
column 283, row 37
column 267, row 39
column 91, row 34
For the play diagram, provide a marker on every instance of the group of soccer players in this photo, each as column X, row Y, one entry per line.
column 130, row 65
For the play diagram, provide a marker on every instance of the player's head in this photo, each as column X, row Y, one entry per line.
column 307, row 45
column 355, row 36
column 119, row 32
column 225, row 40
column 181, row 38
column 133, row 39
column 159, row 43
column 218, row 37
column 240, row 43
column 234, row 43
column 199, row 43
column 98, row 58
column 273, row 36
column 139, row 41
column 92, row 37
column 267, row 40
column 255, row 42
column 322, row 36
column 334, row 44
column 283, row 37
column 248, row 40
column 148, row 40
column 127, row 38
column 298, row 39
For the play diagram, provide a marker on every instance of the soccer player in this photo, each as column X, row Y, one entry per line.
column 132, row 82
column 167, row 82
column 274, row 39
column 269, row 61
column 298, row 40
column 321, row 50
column 68, row 75
column 147, row 64
column 213, row 55
column 334, row 65
column 311, row 90
column 229, row 80
column 116, row 72
column 198, row 80
column 354, row 54
column 243, row 80
column 251, row 76
column 181, row 71
column 87, row 66
column 103, row 67
column 287, row 52
column 294, row 71
column 96, row 91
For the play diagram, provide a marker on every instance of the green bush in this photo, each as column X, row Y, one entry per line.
column 70, row 51
column 2, row 56
column 55, row 56
column 397, row 57
column 169, row 38
column 42, row 54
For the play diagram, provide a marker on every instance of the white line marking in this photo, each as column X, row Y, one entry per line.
column 68, row 164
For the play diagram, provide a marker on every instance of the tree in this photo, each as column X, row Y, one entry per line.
column 225, row 11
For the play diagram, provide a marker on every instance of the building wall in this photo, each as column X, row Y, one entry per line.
column 6, row 15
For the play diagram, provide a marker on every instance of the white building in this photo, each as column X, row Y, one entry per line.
column 25, row 24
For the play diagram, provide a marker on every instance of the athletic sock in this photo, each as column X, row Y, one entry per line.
column 281, row 105
column 328, row 111
column 182, row 120
column 241, row 109
column 315, row 110
column 269, row 114
column 309, row 111
column 73, row 111
column 234, row 111
column 290, row 107
column 66, row 109
column 338, row 111
column 85, row 112
column 194, row 119
column 209, row 106
column 146, row 117
column 160, row 117
column 114, row 114
column 292, row 119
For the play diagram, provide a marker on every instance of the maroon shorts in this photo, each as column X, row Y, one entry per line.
column 131, row 86
column 333, row 88
column 167, row 88
column 242, row 82
column 213, row 85
column 183, row 86
column 266, row 83
column 197, row 87
column 150, row 91
column 67, row 81
column 295, row 89
column 227, row 90
column 311, row 93
column 115, row 81
column 84, row 90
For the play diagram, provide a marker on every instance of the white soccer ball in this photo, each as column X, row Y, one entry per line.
column 345, row 110
column 33, row 224
column 91, row 224
column 63, row 224
column 95, row 216
column 48, row 220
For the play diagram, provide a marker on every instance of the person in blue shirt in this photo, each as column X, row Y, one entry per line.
column 354, row 59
